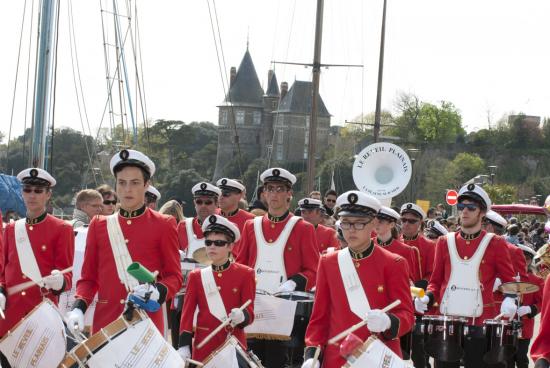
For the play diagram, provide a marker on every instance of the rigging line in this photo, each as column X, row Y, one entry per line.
column 54, row 84
column 109, row 102
column 27, row 85
column 15, row 84
column 276, row 117
column 224, row 69
column 144, row 107
column 362, row 61
column 72, row 47
column 228, row 97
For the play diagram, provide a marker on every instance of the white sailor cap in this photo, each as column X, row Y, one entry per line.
column 309, row 203
column 230, row 184
column 414, row 209
column 151, row 190
column 436, row 227
column 475, row 193
column 387, row 213
column 206, row 189
column 339, row 232
column 496, row 218
column 278, row 174
column 355, row 203
column 219, row 224
column 36, row 176
column 527, row 249
column 129, row 157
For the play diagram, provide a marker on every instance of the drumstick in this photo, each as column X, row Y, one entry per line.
column 222, row 325
column 2, row 314
column 25, row 285
column 499, row 316
column 357, row 326
column 316, row 356
column 195, row 362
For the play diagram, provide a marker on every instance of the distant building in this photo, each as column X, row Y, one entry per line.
column 525, row 119
column 257, row 116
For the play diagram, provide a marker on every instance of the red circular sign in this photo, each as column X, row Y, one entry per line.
column 451, row 197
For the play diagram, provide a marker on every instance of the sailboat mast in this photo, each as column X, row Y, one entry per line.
column 378, row 111
column 312, row 142
column 43, row 109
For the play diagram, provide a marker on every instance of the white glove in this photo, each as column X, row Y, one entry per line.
column 2, row 301
column 517, row 278
column 54, row 281
column 75, row 319
column 142, row 289
column 309, row 364
column 378, row 321
column 508, row 307
column 287, row 286
column 184, row 352
column 497, row 283
column 421, row 304
column 236, row 316
column 523, row 310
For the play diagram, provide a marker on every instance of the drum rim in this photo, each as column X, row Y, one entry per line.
column 310, row 296
column 448, row 318
column 495, row 322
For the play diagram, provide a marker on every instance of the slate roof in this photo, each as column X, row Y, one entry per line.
column 273, row 86
column 246, row 88
column 298, row 100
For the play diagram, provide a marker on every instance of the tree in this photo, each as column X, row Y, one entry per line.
column 462, row 168
column 407, row 107
column 440, row 124
column 502, row 193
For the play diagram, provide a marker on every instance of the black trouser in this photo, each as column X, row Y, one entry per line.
column 418, row 356
column 272, row 353
column 520, row 358
column 175, row 317
column 475, row 347
column 4, row 362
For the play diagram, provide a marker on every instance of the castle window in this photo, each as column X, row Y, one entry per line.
column 223, row 120
column 280, row 136
column 279, row 154
column 257, row 118
column 305, row 152
column 239, row 117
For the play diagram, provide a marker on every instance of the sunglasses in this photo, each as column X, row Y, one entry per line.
column 470, row 206
column 410, row 221
column 36, row 190
column 228, row 193
column 276, row 189
column 330, row 200
column 200, row 202
column 107, row 202
column 217, row 243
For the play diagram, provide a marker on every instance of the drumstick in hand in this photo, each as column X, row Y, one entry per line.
column 25, row 285
column 357, row 326
column 316, row 356
column 222, row 325
column 197, row 363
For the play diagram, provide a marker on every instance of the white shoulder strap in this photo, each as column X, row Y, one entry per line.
column 120, row 252
column 189, row 229
column 27, row 260
column 213, row 297
column 357, row 299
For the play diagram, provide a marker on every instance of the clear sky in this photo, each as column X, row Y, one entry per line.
column 488, row 57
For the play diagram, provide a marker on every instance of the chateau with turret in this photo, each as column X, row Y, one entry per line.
column 274, row 122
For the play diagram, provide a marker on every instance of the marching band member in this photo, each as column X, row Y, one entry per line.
column 217, row 292
column 37, row 247
column 466, row 265
column 540, row 349
column 205, row 198
column 434, row 229
column 312, row 212
column 530, row 306
column 412, row 217
column 282, row 250
column 231, row 193
column 134, row 234
column 386, row 237
column 356, row 283
column 152, row 196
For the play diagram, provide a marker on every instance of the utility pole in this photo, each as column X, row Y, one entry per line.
column 377, row 112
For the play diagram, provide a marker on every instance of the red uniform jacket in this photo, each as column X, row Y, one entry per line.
column 541, row 346
column 533, row 300
column 495, row 263
column 301, row 255
column 384, row 280
column 152, row 241
column 326, row 238
column 407, row 252
column 236, row 284
column 518, row 263
column 426, row 248
column 239, row 219
column 52, row 242
column 182, row 233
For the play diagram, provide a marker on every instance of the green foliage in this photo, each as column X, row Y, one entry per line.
column 440, row 124
column 462, row 168
column 502, row 193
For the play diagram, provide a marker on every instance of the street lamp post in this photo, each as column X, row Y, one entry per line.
column 412, row 155
column 493, row 171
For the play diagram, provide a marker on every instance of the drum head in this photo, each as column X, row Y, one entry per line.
column 444, row 351
column 200, row 256
column 499, row 354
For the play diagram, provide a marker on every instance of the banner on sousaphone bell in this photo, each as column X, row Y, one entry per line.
column 382, row 170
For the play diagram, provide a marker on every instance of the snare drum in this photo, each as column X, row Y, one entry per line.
column 136, row 343
column 374, row 353
column 230, row 355
column 502, row 338
column 304, row 307
column 444, row 337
